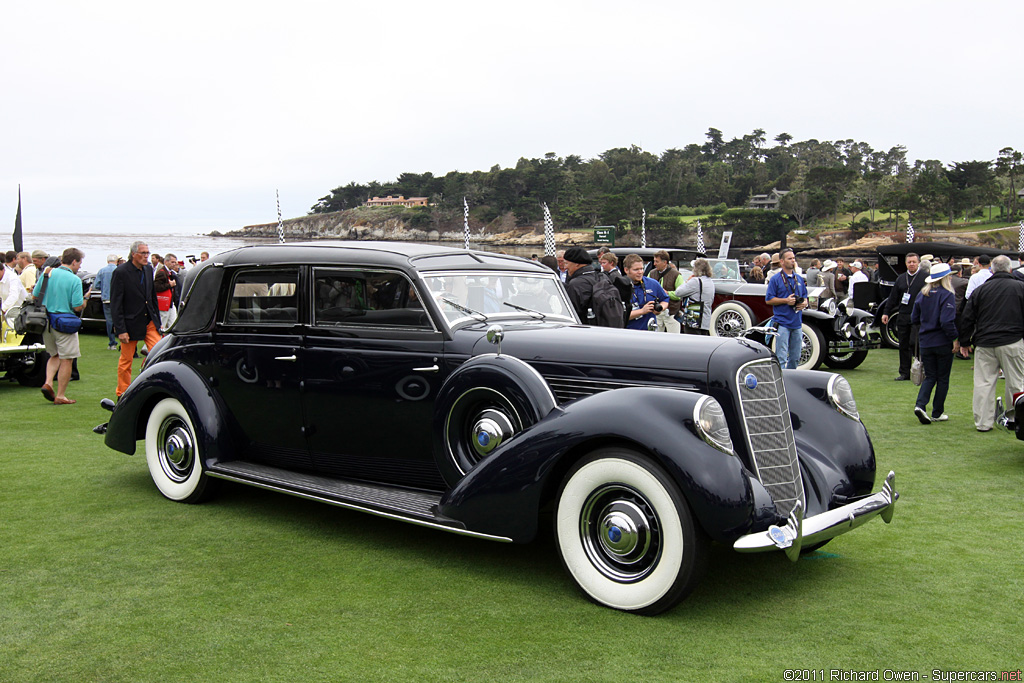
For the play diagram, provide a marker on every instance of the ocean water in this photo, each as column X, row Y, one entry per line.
column 97, row 245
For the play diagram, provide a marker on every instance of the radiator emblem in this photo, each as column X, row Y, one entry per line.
column 750, row 382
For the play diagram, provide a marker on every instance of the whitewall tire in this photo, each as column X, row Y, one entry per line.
column 730, row 319
column 173, row 453
column 626, row 534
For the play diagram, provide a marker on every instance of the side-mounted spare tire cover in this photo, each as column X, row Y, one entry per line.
column 486, row 402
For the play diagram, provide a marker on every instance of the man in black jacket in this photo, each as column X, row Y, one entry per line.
column 133, row 308
column 901, row 299
column 595, row 299
column 993, row 323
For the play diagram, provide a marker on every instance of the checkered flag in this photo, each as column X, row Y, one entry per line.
column 1020, row 238
column 549, row 232
column 910, row 231
column 643, row 229
column 280, row 223
column 465, row 220
column 700, row 238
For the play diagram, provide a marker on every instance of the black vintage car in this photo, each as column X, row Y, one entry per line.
column 456, row 390
column 892, row 264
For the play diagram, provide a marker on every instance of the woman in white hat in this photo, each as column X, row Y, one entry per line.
column 935, row 312
column 828, row 279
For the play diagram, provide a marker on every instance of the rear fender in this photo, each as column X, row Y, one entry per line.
column 176, row 380
column 504, row 493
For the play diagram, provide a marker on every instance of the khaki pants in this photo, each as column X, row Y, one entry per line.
column 988, row 360
column 666, row 323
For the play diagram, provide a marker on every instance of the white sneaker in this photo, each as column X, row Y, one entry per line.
column 940, row 418
column 922, row 416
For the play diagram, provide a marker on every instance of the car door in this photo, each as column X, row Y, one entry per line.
column 373, row 368
column 258, row 366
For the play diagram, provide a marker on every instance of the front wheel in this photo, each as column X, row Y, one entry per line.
column 626, row 534
column 891, row 333
column 173, row 453
column 845, row 361
column 731, row 319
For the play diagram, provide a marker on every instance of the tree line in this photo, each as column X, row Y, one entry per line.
column 823, row 179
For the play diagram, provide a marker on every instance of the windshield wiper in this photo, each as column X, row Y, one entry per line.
column 524, row 309
column 459, row 307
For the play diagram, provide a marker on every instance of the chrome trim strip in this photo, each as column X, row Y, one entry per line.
column 24, row 347
column 829, row 524
column 358, row 508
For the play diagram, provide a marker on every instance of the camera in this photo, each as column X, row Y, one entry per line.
column 658, row 308
column 799, row 300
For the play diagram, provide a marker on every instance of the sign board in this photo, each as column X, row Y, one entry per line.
column 604, row 234
column 723, row 248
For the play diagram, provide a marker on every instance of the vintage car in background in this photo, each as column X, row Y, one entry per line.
column 457, row 390
column 22, row 356
column 892, row 264
column 835, row 334
column 93, row 311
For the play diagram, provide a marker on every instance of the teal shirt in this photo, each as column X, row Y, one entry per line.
column 63, row 294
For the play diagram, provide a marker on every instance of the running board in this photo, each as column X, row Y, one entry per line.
column 415, row 507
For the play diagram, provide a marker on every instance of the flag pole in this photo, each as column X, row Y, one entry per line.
column 18, row 245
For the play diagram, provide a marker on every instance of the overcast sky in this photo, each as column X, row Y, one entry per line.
column 189, row 115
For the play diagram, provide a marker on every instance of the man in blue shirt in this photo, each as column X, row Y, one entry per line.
column 646, row 295
column 787, row 294
column 102, row 283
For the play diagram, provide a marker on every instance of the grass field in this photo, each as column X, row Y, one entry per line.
column 101, row 579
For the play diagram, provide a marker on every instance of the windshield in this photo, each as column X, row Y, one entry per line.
column 725, row 268
column 493, row 295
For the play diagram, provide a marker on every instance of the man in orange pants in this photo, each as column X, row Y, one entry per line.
column 133, row 308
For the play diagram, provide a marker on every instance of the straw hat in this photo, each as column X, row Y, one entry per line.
column 829, row 265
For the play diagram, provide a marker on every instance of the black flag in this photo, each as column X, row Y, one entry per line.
column 17, row 225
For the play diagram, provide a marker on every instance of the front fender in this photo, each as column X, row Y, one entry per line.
column 169, row 379
column 835, row 451
column 504, row 493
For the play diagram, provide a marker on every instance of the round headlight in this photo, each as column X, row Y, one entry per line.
column 830, row 306
column 840, row 395
column 711, row 425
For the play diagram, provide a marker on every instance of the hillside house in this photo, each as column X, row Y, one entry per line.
column 400, row 200
column 768, row 202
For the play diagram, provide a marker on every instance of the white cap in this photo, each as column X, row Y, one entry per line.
column 858, row 265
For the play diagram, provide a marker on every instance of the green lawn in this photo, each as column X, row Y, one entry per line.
column 101, row 579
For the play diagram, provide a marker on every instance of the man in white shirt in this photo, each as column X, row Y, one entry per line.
column 858, row 275
column 984, row 273
column 12, row 292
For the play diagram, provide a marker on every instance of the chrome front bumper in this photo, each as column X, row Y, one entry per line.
column 799, row 532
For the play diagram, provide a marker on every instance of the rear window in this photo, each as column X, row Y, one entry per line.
column 264, row 297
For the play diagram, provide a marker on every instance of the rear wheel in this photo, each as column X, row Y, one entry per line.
column 626, row 534
column 173, row 453
column 35, row 374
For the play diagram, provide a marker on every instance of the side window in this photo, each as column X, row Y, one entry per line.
column 366, row 298
column 264, row 297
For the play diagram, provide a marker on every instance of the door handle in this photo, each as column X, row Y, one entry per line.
column 291, row 359
column 432, row 368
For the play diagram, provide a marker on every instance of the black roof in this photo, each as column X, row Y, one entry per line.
column 408, row 255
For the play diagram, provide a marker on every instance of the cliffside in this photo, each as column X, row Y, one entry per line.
column 395, row 225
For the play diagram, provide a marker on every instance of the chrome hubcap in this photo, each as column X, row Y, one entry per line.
column 729, row 324
column 176, row 449
column 490, row 430
column 620, row 533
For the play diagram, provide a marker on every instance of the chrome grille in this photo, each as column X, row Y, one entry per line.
column 770, row 433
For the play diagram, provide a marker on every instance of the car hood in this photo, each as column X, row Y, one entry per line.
column 584, row 347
